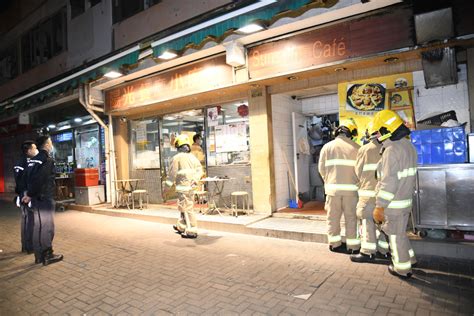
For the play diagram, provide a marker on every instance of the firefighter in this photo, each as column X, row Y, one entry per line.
column 366, row 164
column 185, row 171
column 336, row 166
column 396, row 174
column 40, row 192
column 28, row 151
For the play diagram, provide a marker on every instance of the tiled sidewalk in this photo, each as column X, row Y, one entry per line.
column 123, row 266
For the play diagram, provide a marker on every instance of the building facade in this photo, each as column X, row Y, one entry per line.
column 242, row 74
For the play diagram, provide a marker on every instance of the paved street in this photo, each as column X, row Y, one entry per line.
column 122, row 266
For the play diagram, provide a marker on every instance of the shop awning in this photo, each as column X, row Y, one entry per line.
column 217, row 33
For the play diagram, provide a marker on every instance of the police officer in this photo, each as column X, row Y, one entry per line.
column 185, row 171
column 336, row 166
column 28, row 150
column 395, row 189
column 372, row 250
column 40, row 192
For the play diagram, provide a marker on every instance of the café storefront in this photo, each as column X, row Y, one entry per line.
column 310, row 62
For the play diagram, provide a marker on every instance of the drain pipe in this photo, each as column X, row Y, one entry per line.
column 84, row 100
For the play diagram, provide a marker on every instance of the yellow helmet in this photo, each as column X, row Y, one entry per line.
column 181, row 140
column 350, row 125
column 386, row 122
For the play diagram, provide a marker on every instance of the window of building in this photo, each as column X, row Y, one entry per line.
column 123, row 9
column 94, row 2
column 145, row 144
column 45, row 41
column 77, row 7
column 8, row 63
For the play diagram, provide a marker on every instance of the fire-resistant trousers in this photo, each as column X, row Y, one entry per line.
column 395, row 227
column 370, row 243
column 43, row 228
column 335, row 207
column 186, row 207
column 27, row 220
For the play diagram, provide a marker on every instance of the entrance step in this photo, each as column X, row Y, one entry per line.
column 300, row 216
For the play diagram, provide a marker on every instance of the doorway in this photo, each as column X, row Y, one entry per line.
column 188, row 123
column 308, row 127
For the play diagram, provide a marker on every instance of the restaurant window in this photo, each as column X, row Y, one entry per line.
column 228, row 135
column 145, row 144
column 44, row 41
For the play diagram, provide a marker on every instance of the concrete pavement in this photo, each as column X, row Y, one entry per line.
column 124, row 266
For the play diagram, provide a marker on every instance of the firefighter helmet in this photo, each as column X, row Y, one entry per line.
column 387, row 122
column 182, row 140
column 347, row 127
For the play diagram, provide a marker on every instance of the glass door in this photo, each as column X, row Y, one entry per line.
column 187, row 122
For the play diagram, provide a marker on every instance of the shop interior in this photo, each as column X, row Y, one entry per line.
column 225, row 143
column 78, row 143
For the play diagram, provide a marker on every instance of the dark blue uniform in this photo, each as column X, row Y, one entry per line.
column 20, row 173
column 41, row 188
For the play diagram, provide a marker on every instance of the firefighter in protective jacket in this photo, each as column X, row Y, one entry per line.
column 368, row 157
column 396, row 185
column 185, row 171
column 336, row 166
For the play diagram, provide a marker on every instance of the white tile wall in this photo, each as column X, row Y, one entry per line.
column 429, row 102
column 326, row 104
column 282, row 107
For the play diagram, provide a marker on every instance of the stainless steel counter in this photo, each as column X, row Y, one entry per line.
column 445, row 196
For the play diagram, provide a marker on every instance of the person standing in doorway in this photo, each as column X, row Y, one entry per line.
column 40, row 192
column 336, row 166
column 185, row 172
column 28, row 151
column 196, row 149
column 396, row 175
column 366, row 164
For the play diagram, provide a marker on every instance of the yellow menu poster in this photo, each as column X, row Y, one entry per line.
column 362, row 99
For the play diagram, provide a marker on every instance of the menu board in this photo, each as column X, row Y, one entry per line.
column 231, row 137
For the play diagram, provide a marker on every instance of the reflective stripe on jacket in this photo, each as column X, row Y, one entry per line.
column 397, row 170
column 368, row 157
column 336, row 166
column 185, row 170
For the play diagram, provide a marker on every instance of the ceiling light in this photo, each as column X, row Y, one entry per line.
column 64, row 127
column 251, row 28
column 391, row 59
column 292, row 78
column 339, row 69
column 113, row 74
column 51, row 126
column 145, row 53
column 77, row 120
column 168, row 55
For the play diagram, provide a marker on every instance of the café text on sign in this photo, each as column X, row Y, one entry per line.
column 338, row 42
